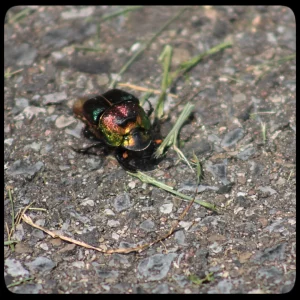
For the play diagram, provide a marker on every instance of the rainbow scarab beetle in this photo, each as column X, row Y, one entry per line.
column 120, row 125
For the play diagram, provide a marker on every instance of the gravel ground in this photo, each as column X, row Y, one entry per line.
column 245, row 90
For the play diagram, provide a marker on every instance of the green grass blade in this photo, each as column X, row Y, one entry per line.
column 7, row 243
column 119, row 12
column 150, row 180
column 171, row 138
column 188, row 65
column 196, row 280
column 146, row 45
column 20, row 15
column 12, row 210
column 20, row 282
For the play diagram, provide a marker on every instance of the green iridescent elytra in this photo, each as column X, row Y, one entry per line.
column 116, row 117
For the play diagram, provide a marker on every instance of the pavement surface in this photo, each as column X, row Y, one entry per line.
column 243, row 130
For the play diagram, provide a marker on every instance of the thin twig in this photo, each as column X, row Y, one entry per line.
column 139, row 248
column 143, row 89
column 9, row 74
column 165, row 58
column 264, row 131
column 290, row 175
column 198, row 167
column 8, row 231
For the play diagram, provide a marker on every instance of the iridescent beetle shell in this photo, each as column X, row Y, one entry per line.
column 116, row 117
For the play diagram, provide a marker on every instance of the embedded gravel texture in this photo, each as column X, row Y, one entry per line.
column 242, row 91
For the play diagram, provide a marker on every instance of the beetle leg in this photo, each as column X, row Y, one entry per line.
column 150, row 111
column 85, row 150
column 158, row 141
column 91, row 134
